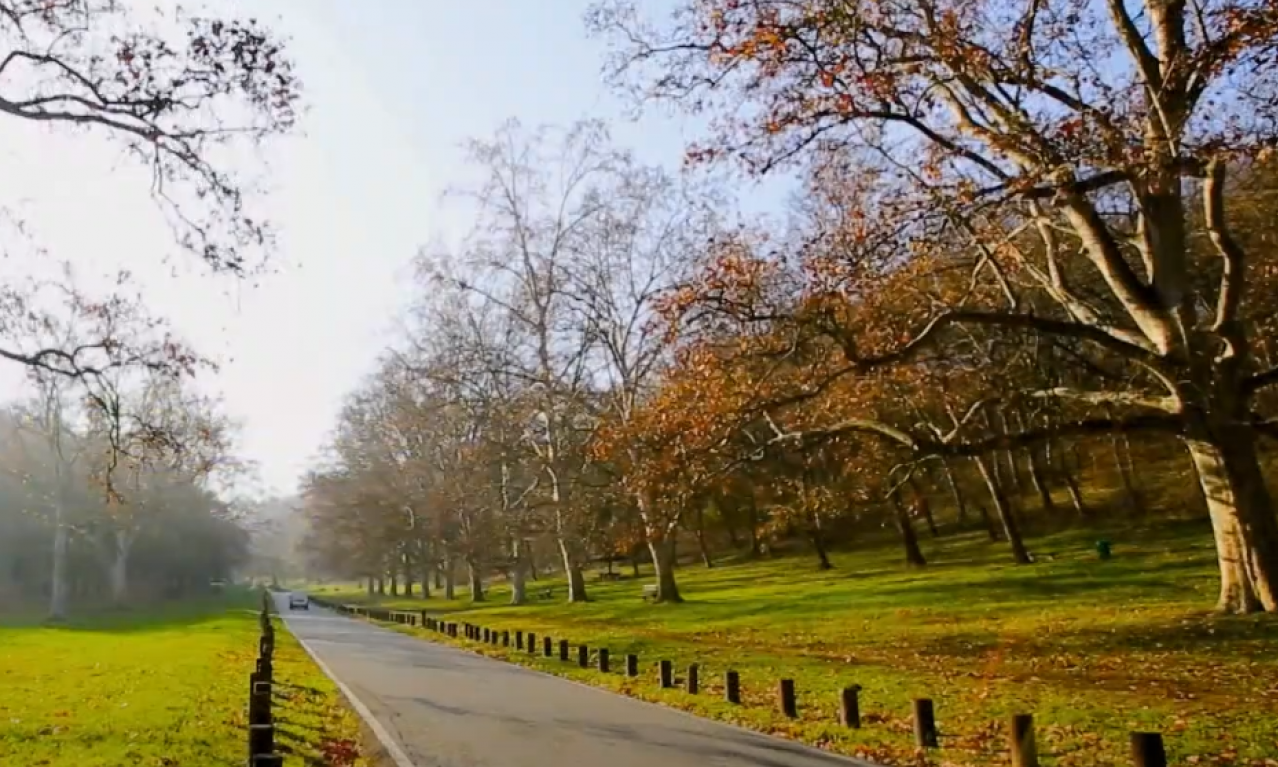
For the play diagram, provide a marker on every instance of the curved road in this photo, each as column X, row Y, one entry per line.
column 449, row 708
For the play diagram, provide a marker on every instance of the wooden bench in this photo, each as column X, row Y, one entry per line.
column 649, row 591
column 546, row 593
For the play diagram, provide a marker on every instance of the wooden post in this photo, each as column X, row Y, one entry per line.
column 487, row 636
column 519, row 640
column 1021, row 741
column 583, row 656
column 694, row 682
column 267, row 760
column 603, row 659
column 850, row 707
column 547, row 646
column 505, row 638
column 632, row 665
column 1147, row 750
column 563, row 650
column 532, row 643
column 261, row 739
column 785, row 698
column 667, row 675
column 924, row 723
column 426, row 621
column 731, row 687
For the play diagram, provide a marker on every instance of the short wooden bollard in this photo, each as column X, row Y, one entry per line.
column 267, row 760
column 519, row 640
column 694, row 681
column 563, row 650
column 548, row 646
column 603, row 659
column 1147, row 750
column 488, row 637
column 667, row 675
column 505, row 638
column 785, row 698
column 532, row 643
column 425, row 621
column 632, row 665
column 731, row 687
column 1020, row 741
column 924, row 723
column 583, row 656
column 850, row 707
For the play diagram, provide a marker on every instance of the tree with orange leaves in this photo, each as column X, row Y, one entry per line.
column 1027, row 144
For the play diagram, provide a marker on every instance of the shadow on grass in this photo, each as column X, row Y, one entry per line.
column 141, row 618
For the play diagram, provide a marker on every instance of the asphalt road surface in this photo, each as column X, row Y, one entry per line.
column 449, row 708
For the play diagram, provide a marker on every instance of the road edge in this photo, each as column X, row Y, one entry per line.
column 384, row 738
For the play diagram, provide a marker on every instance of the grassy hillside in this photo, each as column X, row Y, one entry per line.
column 1093, row 648
column 166, row 686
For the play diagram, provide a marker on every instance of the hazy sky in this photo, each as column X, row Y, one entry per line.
column 394, row 87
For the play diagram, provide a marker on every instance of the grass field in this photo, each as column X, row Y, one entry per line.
column 1093, row 649
column 159, row 688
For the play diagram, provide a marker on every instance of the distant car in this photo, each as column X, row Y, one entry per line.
column 297, row 600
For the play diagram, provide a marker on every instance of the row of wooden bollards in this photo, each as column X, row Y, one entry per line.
column 1146, row 747
column 261, row 735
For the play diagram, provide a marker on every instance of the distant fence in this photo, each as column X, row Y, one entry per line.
column 1147, row 748
column 261, row 722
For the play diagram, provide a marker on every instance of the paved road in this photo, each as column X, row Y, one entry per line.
column 450, row 708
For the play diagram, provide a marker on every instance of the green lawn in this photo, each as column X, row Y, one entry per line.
column 1093, row 649
column 165, row 687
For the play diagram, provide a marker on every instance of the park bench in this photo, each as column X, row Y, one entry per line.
column 546, row 593
column 649, row 591
column 608, row 576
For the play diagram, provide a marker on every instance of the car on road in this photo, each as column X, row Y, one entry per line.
column 298, row 600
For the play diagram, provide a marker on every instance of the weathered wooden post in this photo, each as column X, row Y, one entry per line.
column 563, row 650
column 548, row 646
column 786, row 699
column 632, row 665
column 731, row 687
column 603, row 659
column 667, row 674
column 924, row 723
column 1021, row 741
column 694, row 681
column 519, row 640
column 583, row 656
column 850, row 707
column 1147, row 750
column 505, row 638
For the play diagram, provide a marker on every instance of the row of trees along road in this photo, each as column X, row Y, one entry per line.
column 1026, row 235
column 115, row 440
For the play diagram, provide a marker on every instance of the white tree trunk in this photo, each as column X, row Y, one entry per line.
column 1242, row 518
column 572, row 571
column 518, row 582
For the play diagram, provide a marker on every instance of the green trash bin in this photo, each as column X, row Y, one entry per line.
column 1104, row 549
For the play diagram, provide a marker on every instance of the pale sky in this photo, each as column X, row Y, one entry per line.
column 394, row 87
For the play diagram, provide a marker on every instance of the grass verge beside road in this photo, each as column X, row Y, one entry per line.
column 160, row 687
column 1093, row 649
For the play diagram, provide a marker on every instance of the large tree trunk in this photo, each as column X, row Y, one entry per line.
column 372, row 586
column 923, row 506
column 756, row 548
column 1242, row 517
column 120, row 568
column 817, row 536
column 450, row 577
column 381, row 585
column 663, row 562
column 394, row 584
column 518, row 587
column 476, row 581
column 909, row 539
column 1004, row 510
column 1120, row 446
column 58, row 588
column 572, row 571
